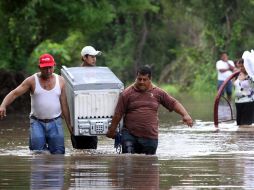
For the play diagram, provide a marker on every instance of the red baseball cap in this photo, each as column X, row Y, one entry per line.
column 46, row 60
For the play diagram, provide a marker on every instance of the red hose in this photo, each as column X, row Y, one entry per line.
column 217, row 98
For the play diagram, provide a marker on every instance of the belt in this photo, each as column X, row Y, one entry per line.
column 44, row 120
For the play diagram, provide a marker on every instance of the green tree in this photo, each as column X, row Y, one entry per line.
column 179, row 39
column 25, row 24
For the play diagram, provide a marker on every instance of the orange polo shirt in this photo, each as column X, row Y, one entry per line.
column 140, row 110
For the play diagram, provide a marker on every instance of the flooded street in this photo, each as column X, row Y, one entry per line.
column 201, row 157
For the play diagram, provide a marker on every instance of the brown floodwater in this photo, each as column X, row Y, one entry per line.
column 201, row 157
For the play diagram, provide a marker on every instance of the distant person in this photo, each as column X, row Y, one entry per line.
column 48, row 103
column 88, row 57
column 237, row 64
column 225, row 68
column 244, row 96
column 138, row 105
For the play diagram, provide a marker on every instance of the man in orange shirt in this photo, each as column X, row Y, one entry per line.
column 138, row 105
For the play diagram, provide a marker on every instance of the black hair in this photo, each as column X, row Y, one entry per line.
column 223, row 52
column 240, row 61
column 144, row 70
column 82, row 57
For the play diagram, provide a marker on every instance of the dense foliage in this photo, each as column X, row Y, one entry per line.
column 179, row 39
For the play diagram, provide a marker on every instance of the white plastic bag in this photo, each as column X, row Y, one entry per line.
column 248, row 57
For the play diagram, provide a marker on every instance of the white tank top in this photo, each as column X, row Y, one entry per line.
column 45, row 104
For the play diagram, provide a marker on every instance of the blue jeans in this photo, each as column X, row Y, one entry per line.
column 228, row 87
column 140, row 145
column 47, row 136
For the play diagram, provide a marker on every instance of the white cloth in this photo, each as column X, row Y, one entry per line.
column 224, row 65
column 244, row 90
column 248, row 63
column 45, row 104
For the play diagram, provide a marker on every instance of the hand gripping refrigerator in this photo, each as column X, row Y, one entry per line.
column 92, row 95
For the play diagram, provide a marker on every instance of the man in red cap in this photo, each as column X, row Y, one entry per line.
column 48, row 103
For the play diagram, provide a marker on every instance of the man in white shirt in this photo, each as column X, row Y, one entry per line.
column 48, row 104
column 225, row 68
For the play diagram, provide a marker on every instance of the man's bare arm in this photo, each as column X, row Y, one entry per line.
column 25, row 86
column 114, row 123
column 178, row 108
column 64, row 105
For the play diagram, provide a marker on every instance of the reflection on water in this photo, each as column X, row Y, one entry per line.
column 136, row 172
column 47, row 172
column 14, row 135
column 201, row 157
column 228, row 171
column 114, row 172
